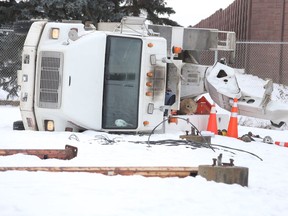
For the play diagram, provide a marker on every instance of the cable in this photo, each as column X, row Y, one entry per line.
column 106, row 139
column 74, row 136
column 236, row 149
column 174, row 142
column 152, row 132
column 187, row 120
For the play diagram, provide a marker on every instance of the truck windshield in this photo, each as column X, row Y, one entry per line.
column 121, row 83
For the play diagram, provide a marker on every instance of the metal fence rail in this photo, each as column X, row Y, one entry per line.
column 263, row 59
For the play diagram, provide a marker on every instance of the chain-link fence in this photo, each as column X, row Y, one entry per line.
column 266, row 60
column 263, row 59
column 11, row 45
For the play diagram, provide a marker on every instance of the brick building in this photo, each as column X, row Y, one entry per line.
column 264, row 23
column 252, row 20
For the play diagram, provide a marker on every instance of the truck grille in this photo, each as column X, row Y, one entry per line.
column 49, row 79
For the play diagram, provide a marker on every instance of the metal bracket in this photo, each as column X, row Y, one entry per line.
column 218, row 161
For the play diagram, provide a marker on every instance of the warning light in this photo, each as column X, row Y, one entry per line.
column 145, row 123
column 176, row 50
column 173, row 120
column 55, row 32
column 150, row 45
column 149, row 94
column 150, row 74
column 149, row 84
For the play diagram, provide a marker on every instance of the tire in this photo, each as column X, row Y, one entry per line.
column 18, row 125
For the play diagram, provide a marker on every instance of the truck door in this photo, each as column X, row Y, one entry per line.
column 121, row 83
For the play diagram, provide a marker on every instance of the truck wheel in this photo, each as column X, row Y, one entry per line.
column 18, row 125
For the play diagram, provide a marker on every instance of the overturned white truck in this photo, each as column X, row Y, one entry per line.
column 116, row 78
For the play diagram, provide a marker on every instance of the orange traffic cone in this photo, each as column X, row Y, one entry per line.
column 233, row 123
column 212, row 122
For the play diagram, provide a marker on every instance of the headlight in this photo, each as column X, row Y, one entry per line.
column 49, row 125
column 55, row 32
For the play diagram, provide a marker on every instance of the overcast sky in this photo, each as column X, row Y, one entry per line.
column 190, row 12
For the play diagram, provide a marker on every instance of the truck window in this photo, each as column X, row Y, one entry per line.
column 121, row 83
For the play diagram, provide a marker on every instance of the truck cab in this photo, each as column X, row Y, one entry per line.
column 73, row 78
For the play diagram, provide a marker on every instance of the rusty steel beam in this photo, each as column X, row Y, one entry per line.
column 111, row 171
column 64, row 154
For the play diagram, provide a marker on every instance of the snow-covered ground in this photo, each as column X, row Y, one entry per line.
column 43, row 193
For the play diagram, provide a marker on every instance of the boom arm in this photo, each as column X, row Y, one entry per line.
column 222, row 85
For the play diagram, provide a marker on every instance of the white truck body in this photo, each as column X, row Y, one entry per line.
column 75, row 77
